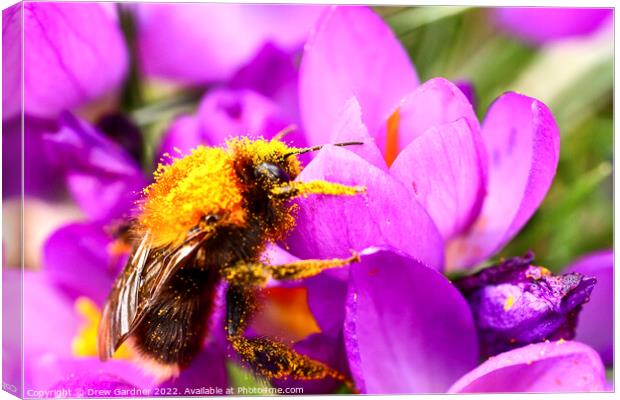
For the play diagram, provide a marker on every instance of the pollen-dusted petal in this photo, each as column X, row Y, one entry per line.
column 516, row 303
column 199, row 184
column 561, row 366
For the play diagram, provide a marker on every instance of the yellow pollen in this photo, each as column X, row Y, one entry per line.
column 85, row 342
column 202, row 183
column 510, row 301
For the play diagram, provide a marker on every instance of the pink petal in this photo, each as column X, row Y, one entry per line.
column 199, row 43
column 595, row 325
column 332, row 226
column 542, row 367
column 548, row 24
column 349, row 127
column 407, row 328
column 352, row 53
column 74, row 53
column 523, row 146
column 434, row 103
column 445, row 169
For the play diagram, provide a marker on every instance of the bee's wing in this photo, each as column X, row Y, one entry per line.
column 145, row 274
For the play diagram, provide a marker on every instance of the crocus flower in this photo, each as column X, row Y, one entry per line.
column 540, row 25
column 406, row 327
column 516, row 303
column 74, row 54
column 409, row 330
column 203, row 43
column 479, row 184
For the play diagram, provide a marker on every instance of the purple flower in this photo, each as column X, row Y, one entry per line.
column 409, row 330
column 73, row 54
column 480, row 184
column 542, row 367
column 224, row 37
column 103, row 179
column 547, row 24
column 516, row 303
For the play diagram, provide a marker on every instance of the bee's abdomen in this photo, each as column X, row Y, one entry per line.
column 172, row 331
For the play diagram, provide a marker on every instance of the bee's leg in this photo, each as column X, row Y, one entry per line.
column 296, row 188
column 307, row 268
column 268, row 357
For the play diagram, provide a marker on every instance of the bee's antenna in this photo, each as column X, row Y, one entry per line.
column 284, row 132
column 319, row 147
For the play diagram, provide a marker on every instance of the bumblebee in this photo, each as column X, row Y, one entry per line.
column 206, row 218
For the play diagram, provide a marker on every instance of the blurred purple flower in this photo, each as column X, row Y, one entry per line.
column 74, row 53
column 516, row 303
column 102, row 177
column 596, row 321
column 540, row 25
column 224, row 37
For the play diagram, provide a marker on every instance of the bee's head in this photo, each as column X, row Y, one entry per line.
column 265, row 163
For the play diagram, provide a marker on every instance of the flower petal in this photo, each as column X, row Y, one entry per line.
column 332, row 226
column 58, row 372
column 225, row 113
column 76, row 260
column 352, row 53
column 103, row 179
column 327, row 349
column 73, row 54
column 407, row 329
column 223, row 38
column 523, row 146
column 273, row 73
column 542, row 367
column 182, row 136
column 547, row 24
column 595, row 325
column 349, row 127
column 436, row 102
column 445, row 168
column 208, row 369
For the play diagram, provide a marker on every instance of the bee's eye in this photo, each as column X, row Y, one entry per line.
column 271, row 172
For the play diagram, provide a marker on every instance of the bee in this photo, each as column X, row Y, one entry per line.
column 206, row 219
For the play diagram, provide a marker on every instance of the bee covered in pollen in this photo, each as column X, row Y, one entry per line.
column 208, row 217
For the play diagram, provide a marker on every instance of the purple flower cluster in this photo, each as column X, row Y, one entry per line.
column 444, row 193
